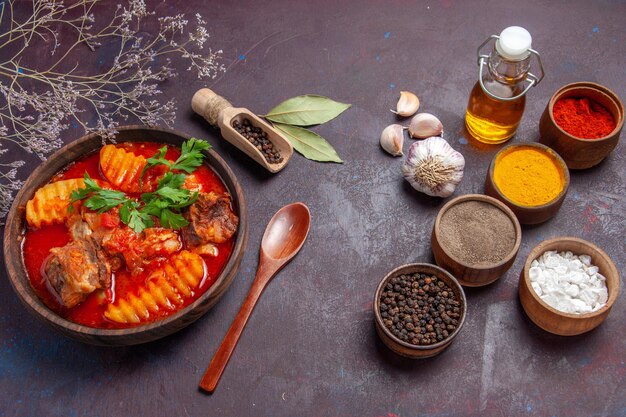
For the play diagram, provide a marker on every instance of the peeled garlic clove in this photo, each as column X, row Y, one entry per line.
column 407, row 105
column 391, row 139
column 433, row 167
column 424, row 125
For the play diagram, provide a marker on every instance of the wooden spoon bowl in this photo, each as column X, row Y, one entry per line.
column 553, row 320
column 16, row 224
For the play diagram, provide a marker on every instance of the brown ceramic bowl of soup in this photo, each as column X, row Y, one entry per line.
column 404, row 347
column 158, row 288
column 579, row 153
column 476, row 238
column 503, row 183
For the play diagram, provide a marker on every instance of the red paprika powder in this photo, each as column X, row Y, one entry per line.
column 583, row 117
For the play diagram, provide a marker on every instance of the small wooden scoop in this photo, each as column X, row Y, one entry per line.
column 220, row 113
column 284, row 236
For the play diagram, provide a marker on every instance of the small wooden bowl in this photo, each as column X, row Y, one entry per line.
column 401, row 347
column 473, row 275
column 582, row 153
column 16, row 225
column 529, row 214
column 549, row 318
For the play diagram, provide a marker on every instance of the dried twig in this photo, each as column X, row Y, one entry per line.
column 37, row 105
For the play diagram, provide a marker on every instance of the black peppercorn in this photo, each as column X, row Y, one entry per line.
column 419, row 309
column 259, row 139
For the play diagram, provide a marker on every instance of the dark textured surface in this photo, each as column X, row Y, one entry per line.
column 310, row 347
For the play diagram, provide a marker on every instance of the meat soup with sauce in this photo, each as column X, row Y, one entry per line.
column 149, row 237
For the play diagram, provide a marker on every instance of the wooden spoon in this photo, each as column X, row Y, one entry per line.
column 284, row 236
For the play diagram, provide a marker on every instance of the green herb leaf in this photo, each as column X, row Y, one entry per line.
column 190, row 158
column 92, row 184
column 104, row 200
column 306, row 110
column 138, row 221
column 159, row 157
column 172, row 180
column 172, row 220
column 167, row 200
column 154, row 207
column 309, row 144
column 82, row 193
column 156, row 159
column 98, row 199
column 191, row 155
column 135, row 218
column 189, row 202
column 175, row 195
column 125, row 210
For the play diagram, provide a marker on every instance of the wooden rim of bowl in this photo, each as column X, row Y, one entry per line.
column 456, row 286
column 599, row 89
column 486, row 199
column 545, row 246
column 555, row 156
column 31, row 300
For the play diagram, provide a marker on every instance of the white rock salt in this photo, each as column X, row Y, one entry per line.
column 534, row 273
column 575, row 264
column 572, row 290
column 587, row 296
column 577, row 277
column 568, row 282
column 537, row 288
column 561, row 270
column 586, row 259
column 592, row 270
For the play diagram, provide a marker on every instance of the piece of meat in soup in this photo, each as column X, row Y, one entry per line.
column 138, row 250
column 76, row 270
column 211, row 220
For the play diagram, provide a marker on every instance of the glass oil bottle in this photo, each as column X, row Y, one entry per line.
column 497, row 101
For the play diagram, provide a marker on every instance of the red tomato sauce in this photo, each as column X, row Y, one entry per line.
column 38, row 242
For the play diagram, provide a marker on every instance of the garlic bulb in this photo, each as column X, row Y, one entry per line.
column 433, row 167
column 424, row 125
column 391, row 139
column 407, row 104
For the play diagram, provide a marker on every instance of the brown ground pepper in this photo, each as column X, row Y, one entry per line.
column 477, row 233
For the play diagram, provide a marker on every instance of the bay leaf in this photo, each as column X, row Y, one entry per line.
column 309, row 144
column 306, row 110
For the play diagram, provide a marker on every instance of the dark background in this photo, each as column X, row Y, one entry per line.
column 310, row 348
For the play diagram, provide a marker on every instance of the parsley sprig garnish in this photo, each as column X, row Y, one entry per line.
column 167, row 200
column 190, row 158
column 100, row 200
column 164, row 203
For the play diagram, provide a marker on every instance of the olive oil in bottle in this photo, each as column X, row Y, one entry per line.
column 497, row 101
column 490, row 120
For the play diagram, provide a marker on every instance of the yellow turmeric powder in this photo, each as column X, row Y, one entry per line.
column 528, row 176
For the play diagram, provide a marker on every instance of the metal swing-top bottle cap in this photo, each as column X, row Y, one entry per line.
column 514, row 43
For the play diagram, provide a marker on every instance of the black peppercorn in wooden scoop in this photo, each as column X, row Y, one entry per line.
column 220, row 113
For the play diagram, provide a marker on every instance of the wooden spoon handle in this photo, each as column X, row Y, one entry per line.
column 215, row 369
